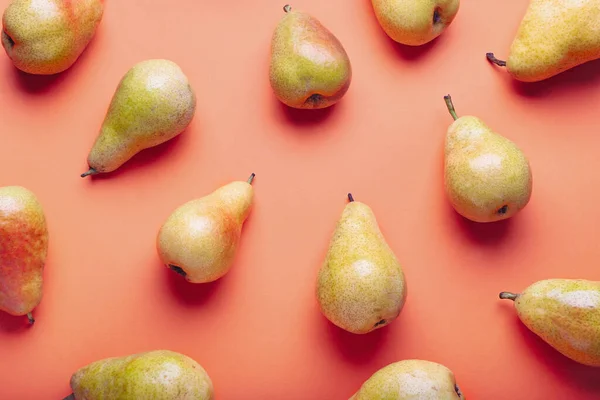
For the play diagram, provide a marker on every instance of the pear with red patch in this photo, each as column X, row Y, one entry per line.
column 46, row 37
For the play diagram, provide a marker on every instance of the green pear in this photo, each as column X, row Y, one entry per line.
column 153, row 103
column 309, row 67
column 565, row 313
column 415, row 22
column 199, row 240
column 410, row 380
column 553, row 36
column 360, row 286
column 487, row 177
column 46, row 37
column 156, row 375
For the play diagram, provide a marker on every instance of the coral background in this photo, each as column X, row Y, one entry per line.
column 258, row 331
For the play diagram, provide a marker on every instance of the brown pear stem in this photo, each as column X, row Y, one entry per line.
column 70, row 397
column 30, row 318
column 350, row 197
column 90, row 171
column 251, row 178
column 287, row 8
column 450, row 106
column 508, row 296
column 492, row 58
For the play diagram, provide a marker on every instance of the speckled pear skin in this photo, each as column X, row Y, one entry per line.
column 156, row 375
column 565, row 313
column 360, row 285
column 199, row 240
column 554, row 36
column 309, row 67
column 415, row 22
column 23, row 250
column 411, row 380
column 46, row 37
column 486, row 176
column 153, row 103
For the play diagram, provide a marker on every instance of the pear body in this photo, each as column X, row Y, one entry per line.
column 153, row 103
column 309, row 67
column 410, row 380
column 487, row 177
column 23, row 250
column 157, row 375
column 361, row 285
column 46, row 37
column 554, row 36
column 565, row 313
column 415, row 22
column 199, row 240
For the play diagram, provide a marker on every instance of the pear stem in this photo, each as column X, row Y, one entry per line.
column 30, row 318
column 90, row 171
column 251, row 178
column 287, row 8
column 492, row 58
column 450, row 106
column 70, row 397
column 350, row 197
column 508, row 296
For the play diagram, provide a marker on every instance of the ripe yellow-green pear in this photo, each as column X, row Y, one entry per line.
column 553, row 36
column 309, row 67
column 46, row 37
column 565, row 313
column 153, row 103
column 23, row 251
column 415, row 22
column 486, row 176
column 156, row 375
column 200, row 239
column 361, row 285
column 411, row 380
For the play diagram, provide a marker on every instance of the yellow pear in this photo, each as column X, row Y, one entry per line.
column 554, row 36
column 156, row 375
column 415, row 22
column 360, row 286
column 200, row 238
column 23, row 251
column 410, row 380
column 309, row 67
column 152, row 104
column 487, row 177
column 565, row 313
column 46, row 37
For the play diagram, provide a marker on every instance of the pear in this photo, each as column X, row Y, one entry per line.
column 411, row 380
column 199, row 240
column 23, row 251
column 360, row 286
column 156, row 375
column 153, row 103
column 487, row 176
column 553, row 36
column 565, row 313
column 415, row 22
column 46, row 37
column 309, row 67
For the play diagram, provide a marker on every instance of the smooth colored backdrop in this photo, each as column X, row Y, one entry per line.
column 258, row 331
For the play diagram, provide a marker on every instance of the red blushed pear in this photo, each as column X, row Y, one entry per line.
column 200, row 238
column 309, row 67
column 23, row 250
column 46, row 37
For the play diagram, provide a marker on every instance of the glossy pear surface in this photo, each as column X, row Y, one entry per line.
column 360, row 286
column 23, row 250
column 410, row 380
column 565, row 313
column 554, row 36
column 152, row 104
column 309, row 67
column 156, row 375
column 47, row 37
column 487, row 176
column 199, row 240
column 415, row 22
